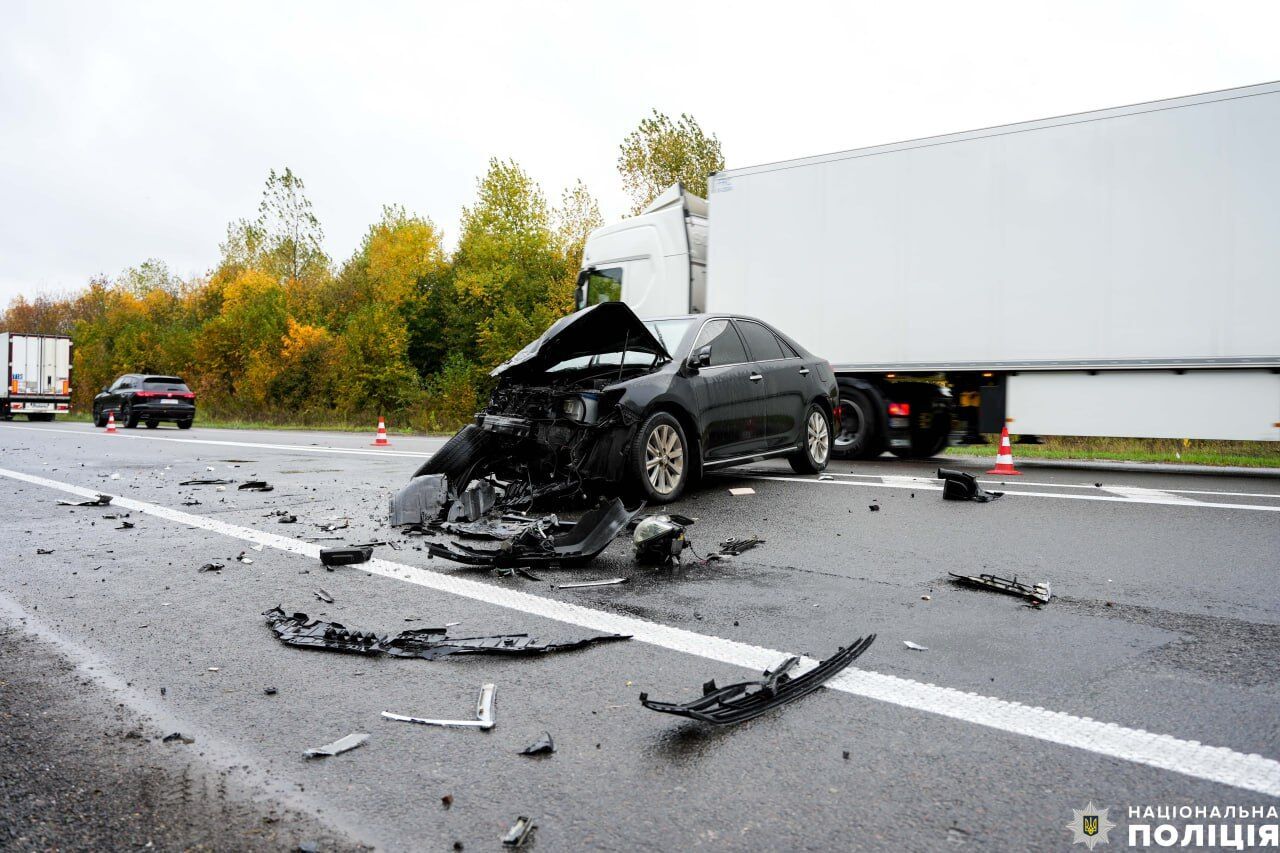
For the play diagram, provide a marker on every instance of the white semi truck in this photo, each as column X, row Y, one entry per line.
column 37, row 376
column 1112, row 273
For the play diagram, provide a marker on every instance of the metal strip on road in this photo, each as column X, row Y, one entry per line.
column 1153, row 497
column 1189, row 758
column 359, row 451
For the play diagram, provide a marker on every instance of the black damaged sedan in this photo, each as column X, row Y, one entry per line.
column 604, row 403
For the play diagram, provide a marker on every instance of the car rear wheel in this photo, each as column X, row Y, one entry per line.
column 152, row 424
column 660, row 460
column 184, row 424
column 816, row 447
column 127, row 415
column 99, row 419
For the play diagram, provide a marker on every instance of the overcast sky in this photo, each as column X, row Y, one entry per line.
column 138, row 130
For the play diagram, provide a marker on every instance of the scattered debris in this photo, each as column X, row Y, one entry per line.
column 926, row 598
column 211, row 567
column 874, row 507
column 288, row 518
column 332, row 526
column 737, row 703
column 244, row 558
column 959, row 486
column 421, row 501
column 742, row 490
column 191, row 502
column 1097, row 485
column 270, row 691
column 1038, row 593
column 538, row 544
column 446, row 800
column 206, row 481
column 542, row 746
column 585, row 584
column 427, row 643
column 177, row 737
column 345, row 556
column 100, row 500
column 256, row 486
column 519, row 832
column 915, row 647
column 125, row 525
column 484, row 714
column 43, row 551
column 338, row 747
column 659, row 539
column 323, row 596
column 732, row 547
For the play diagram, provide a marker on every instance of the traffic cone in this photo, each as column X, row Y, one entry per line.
column 111, row 422
column 1004, row 459
column 381, row 439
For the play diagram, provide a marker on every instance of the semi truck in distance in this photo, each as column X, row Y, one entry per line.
column 37, row 376
column 1110, row 273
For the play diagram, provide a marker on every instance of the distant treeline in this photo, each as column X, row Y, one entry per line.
column 278, row 332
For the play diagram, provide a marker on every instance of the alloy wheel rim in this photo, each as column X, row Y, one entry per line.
column 818, row 437
column 663, row 459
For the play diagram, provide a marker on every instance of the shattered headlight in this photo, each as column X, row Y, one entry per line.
column 573, row 408
column 659, row 538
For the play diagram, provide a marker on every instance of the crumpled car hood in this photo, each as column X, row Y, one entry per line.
column 601, row 328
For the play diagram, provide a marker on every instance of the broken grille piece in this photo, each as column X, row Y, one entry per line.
column 1038, row 593
column 737, row 703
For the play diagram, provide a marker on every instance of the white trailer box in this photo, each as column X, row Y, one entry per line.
column 37, row 379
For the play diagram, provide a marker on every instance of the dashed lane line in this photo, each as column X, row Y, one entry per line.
column 1190, row 758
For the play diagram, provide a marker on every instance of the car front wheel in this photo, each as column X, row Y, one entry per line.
column 660, row 458
column 815, row 449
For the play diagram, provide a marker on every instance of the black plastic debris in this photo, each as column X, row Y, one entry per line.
column 659, row 539
column 206, row 481
column 338, row 747
column 428, row 643
column 346, row 556
column 177, row 737
column 734, row 547
column 269, row 691
column 421, row 501
column 211, row 567
column 537, row 544
column 100, row 500
column 331, row 526
column 737, row 703
column 1036, row 593
column 288, row 518
column 256, row 486
column 519, row 832
column 484, row 720
column 542, row 746
column 125, row 525
column 474, row 503
column 44, row 551
column 873, row 507
column 323, row 595
column 959, row 486
column 191, row 502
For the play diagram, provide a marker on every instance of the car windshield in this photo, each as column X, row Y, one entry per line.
column 164, row 383
column 669, row 332
column 635, row 358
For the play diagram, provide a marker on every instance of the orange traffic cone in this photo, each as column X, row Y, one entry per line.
column 381, row 439
column 111, row 421
column 1004, row 459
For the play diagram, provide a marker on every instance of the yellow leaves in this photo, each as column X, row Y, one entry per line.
column 399, row 250
column 661, row 152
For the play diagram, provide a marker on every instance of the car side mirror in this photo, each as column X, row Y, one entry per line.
column 700, row 357
column 104, row 389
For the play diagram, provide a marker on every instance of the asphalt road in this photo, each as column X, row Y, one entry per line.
column 1150, row 680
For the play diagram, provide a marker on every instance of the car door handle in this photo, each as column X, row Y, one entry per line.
column 756, row 377
column 804, row 371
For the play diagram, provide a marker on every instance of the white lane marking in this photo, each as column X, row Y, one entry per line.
column 416, row 454
column 907, row 480
column 934, row 488
column 1155, row 496
column 1190, row 758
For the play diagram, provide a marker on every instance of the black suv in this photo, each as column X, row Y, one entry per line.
column 151, row 399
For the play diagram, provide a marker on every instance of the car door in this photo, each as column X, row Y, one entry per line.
column 783, row 384
column 116, row 394
column 730, row 407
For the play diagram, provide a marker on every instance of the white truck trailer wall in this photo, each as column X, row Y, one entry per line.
column 1146, row 232
column 38, row 364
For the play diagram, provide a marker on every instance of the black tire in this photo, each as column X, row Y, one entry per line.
column 185, row 424
column 859, row 435
column 661, row 445
column 127, row 415
column 152, row 424
column 816, row 440
column 927, row 439
column 99, row 419
column 460, row 457
column 40, row 416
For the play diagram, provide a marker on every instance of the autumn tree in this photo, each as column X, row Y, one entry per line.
column 661, row 152
column 286, row 238
column 575, row 219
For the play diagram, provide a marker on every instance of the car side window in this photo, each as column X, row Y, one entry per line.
column 121, row 383
column 726, row 346
column 761, row 343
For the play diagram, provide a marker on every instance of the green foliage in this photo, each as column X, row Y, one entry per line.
column 661, row 152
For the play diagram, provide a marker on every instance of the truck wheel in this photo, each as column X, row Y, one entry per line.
column 660, row 459
column 459, row 457
column 930, row 421
column 816, row 449
column 40, row 416
column 859, row 435
column 185, row 424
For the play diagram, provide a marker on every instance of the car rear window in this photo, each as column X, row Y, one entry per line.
column 164, row 383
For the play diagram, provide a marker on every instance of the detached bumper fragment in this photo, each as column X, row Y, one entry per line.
column 959, row 486
column 1037, row 593
column 738, row 703
column 427, row 643
column 538, row 545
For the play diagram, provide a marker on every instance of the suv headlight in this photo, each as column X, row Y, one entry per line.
column 573, row 408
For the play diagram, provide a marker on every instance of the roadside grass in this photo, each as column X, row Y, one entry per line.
column 328, row 425
column 1245, row 454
